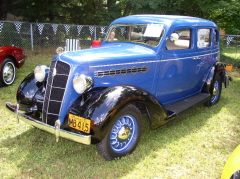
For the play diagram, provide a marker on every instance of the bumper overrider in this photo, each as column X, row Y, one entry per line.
column 56, row 129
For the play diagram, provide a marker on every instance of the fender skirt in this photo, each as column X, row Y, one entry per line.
column 102, row 104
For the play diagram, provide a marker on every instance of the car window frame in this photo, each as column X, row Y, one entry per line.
column 210, row 38
column 105, row 39
column 192, row 40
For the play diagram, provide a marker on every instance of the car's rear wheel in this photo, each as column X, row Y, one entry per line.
column 8, row 72
column 123, row 135
column 216, row 90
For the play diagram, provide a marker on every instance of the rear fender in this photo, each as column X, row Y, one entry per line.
column 101, row 105
column 217, row 69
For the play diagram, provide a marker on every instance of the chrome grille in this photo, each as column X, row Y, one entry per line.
column 55, row 89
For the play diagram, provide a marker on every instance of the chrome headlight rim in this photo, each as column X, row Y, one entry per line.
column 82, row 83
column 59, row 50
column 40, row 72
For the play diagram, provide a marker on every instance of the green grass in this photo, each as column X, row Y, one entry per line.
column 195, row 146
column 231, row 56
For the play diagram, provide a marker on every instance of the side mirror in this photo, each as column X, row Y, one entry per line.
column 174, row 37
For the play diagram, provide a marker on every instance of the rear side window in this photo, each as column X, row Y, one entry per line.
column 216, row 37
column 179, row 40
column 203, row 38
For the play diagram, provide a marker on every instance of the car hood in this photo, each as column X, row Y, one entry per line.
column 105, row 55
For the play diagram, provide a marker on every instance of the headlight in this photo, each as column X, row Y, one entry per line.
column 39, row 72
column 82, row 83
column 59, row 50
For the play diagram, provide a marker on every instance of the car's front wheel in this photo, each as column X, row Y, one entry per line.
column 123, row 135
column 216, row 90
column 8, row 72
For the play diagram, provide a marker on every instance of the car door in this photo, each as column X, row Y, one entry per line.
column 182, row 66
column 206, row 51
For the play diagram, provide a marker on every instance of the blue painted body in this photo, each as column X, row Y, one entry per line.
column 189, row 79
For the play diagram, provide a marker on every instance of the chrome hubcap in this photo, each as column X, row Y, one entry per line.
column 8, row 72
column 124, row 133
column 215, row 91
column 215, row 94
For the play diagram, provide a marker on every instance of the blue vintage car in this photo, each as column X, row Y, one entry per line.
column 160, row 65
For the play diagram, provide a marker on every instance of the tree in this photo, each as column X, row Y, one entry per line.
column 101, row 12
column 64, row 11
column 227, row 15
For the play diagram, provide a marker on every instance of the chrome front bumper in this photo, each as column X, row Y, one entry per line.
column 84, row 139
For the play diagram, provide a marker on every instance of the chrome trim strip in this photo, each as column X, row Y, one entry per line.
column 55, row 101
column 83, row 139
column 58, row 87
column 61, row 74
column 133, row 63
column 53, row 114
column 22, row 59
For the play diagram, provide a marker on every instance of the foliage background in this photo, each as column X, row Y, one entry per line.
column 226, row 13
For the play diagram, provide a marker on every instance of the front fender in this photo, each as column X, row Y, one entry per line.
column 101, row 105
column 27, row 90
column 30, row 92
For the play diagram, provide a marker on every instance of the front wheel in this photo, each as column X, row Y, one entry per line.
column 123, row 134
column 215, row 91
column 8, row 72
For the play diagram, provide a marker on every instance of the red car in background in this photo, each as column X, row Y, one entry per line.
column 11, row 57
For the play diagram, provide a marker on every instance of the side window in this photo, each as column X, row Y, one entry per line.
column 203, row 38
column 179, row 39
column 216, row 37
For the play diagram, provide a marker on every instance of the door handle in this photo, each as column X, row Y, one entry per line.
column 196, row 58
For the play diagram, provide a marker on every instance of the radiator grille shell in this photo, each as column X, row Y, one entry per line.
column 55, row 90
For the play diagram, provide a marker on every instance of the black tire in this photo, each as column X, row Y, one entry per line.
column 8, row 72
column 215, row 91
column 123, row 134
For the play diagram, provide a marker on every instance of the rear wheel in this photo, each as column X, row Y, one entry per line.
column 216, row 90
column 123, row 135
column 8, row 72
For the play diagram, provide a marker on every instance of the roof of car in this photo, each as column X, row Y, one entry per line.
column 166, row 19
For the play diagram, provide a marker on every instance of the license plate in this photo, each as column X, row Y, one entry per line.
column 79, row 123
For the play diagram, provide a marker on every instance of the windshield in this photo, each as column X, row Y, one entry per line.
column 147, row 34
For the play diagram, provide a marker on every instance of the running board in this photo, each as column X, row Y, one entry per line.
column 180, row 107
